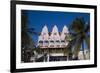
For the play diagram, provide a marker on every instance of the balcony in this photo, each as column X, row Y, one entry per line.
column 57, row 43
column 40, row 43
column 46, row 43
column 51, row 43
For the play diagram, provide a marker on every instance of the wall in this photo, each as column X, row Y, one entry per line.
column 5, row 37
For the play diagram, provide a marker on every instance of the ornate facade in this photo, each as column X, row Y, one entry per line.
column 54, row 39
column 53, row 45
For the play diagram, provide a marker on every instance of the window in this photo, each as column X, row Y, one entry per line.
column 62, row 41
column 55, row 33
column 40, row 41
column 46, row 41
column 65, row 33
column 52, row 41
column 57, row 41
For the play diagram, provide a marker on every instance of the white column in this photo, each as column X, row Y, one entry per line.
column 47, row 57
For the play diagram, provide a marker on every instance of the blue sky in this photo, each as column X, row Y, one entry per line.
column 37, row 19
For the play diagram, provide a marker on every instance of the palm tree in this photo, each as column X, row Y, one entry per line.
column 71, row 41
column 26, row 39
column 80, row 32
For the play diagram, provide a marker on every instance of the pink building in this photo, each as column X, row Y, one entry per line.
column 54, row 39
column 54, row 44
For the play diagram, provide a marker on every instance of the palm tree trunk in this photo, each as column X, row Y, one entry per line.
column 83, row 50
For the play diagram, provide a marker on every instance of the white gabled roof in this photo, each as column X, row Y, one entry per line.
column 44, row 34
column 55, row 34
column 44, row 30
column 64, row 31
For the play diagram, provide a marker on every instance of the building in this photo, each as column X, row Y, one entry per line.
column 53, row 39
column 53, row 43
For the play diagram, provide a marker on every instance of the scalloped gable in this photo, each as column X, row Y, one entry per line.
column 64, row 32
column 55, row 34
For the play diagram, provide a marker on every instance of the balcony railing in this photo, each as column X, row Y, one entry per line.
column 52, row 43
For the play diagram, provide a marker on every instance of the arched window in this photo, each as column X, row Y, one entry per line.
column 52, row 41
column 46, row 41
column 55, row 33
column 40, row 41
column 62, row 41
column 65, row 33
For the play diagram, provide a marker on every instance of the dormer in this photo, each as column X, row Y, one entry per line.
column 64, row 32
column 44, row 34
column 55, row 34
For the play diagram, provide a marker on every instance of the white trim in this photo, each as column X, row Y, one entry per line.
column 51, row 64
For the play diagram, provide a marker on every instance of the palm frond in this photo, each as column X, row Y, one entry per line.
column 78, row 25
column 87, row 40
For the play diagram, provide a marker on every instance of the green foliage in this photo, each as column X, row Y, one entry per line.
column 27, row 43
column 79, row 34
